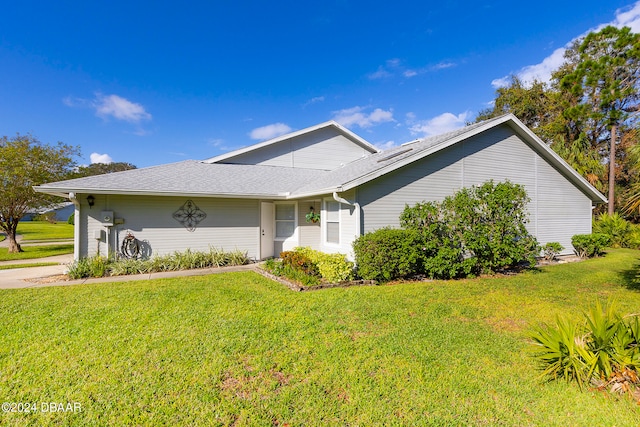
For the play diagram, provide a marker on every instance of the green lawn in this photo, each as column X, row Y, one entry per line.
column 32, row 252
column 36, row 264
column 239, row 349
column 43, row 230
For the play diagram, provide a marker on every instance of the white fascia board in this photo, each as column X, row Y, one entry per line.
column 290, row 135
column 316, row 193
column 65, row 192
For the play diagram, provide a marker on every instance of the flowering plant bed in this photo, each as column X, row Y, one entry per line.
column 295, row 286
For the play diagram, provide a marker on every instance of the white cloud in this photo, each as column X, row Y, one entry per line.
column 100, row 158
column 541, row 72
column 627, row 17
column 394, row 67
column 357, row 116
column 218, row 143
column 440, row 124
column 385, row 145
column 269, row 131
column 119, row 108
column 313, row 100
column 381, row 73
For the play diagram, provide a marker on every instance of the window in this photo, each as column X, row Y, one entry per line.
column 285, row 220
column 332, row 222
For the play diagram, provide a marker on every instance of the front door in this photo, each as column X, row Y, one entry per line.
column 267, row 221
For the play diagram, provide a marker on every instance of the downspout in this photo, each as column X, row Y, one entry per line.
column 76, row 226
column 356, row 206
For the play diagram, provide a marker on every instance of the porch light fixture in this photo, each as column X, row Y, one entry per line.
column 91, row 200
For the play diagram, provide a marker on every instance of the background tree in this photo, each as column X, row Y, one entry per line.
column 101, row 168
column 606, row 80
column 586, row 112
column 25, row 162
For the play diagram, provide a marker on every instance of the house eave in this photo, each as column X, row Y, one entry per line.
column 128, row 192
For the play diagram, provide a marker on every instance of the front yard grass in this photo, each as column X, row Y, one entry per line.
column 45, row 231
column 32, row 252
column 35, row 264
column 239, row 349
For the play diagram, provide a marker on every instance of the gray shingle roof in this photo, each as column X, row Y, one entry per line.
column 192, row 177
column 250, row 181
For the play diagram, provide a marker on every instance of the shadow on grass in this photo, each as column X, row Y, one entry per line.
column 631, row 277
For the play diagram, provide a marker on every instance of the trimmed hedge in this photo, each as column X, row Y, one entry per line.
column 388, row 254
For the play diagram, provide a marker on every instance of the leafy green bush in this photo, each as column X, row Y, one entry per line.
column 589, row 245
column 388, row 254
column 551, row 250
column 477, row 230
column 617, row 228
column 71, row 219
column 605, row 352
column 333, row 268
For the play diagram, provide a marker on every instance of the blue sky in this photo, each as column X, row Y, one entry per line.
column 158, row 82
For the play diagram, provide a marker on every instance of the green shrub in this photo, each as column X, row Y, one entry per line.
column 589, row 245
column 71, row 219
column 333, row 268
column 634, row 237
column 551, row 250
column 617, row 228
column 477, row 230
column 605, row 352
column 387, row 254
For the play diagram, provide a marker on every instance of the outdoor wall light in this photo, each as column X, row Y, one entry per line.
column 91, row 200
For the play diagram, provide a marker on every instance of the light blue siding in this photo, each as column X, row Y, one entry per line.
column 230, row 224
column 557, row 210
column 324, row 149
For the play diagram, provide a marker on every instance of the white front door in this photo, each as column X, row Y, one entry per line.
column 267, row 222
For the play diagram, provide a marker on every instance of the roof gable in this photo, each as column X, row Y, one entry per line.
column 326, row 146
column 382, row 163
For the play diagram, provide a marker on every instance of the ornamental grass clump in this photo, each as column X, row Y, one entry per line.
column 603, row 351
column 98, row 266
